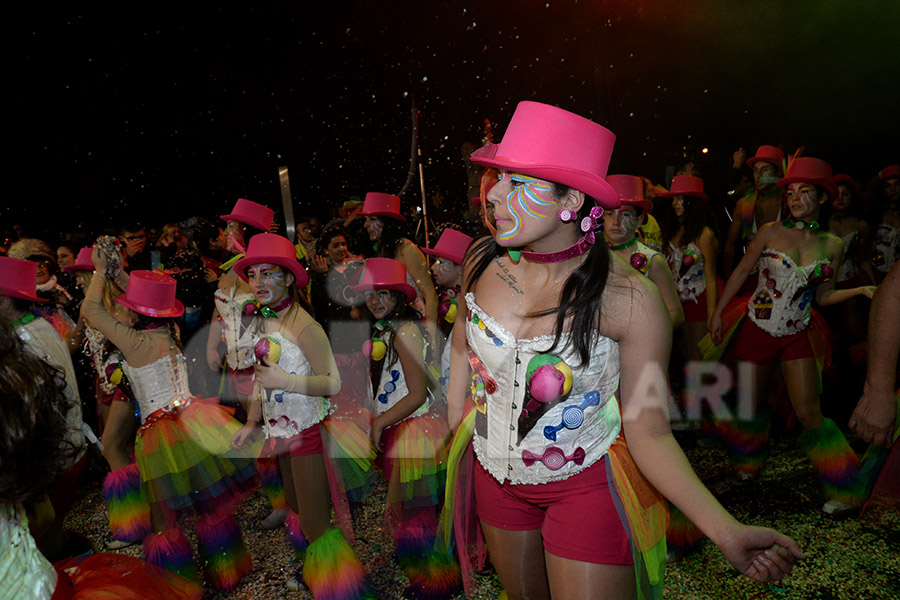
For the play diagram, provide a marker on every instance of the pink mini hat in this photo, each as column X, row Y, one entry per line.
column 250, row 213
column 152, row 294
column 18, row 279
column 890, row 172
column 631, row 191
column 807, row 169
column 769, row 154
column 556, row 145
column 385, row 274
column 452, row 245
column 687, row 185
column 82, row 263
column 274, row 249
column 381, row 205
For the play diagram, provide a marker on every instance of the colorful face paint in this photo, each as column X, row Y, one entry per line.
column 445, row 272
column 267, row 282
column 374, row 227
column 234, row 234
column 381, row 303
column 803, row 199
column 619, row 224
column 678, row 205
column 529, row 196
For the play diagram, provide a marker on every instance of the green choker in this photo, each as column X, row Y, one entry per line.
column 24, row 319
column 801, row 225
column 622, row 246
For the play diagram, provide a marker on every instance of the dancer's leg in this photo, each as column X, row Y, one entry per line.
column 518, row 557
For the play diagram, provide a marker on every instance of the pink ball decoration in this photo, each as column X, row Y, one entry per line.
column 688, row 260
column 546, row 384
column 367, row 348
column 639, row 261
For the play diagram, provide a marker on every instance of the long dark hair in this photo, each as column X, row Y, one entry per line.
column 392, row 235
column 696, row 216
column 143, row 322
column 581, row 295
column 403, row 313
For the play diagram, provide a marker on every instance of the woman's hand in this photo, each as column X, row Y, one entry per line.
column 99, row 260
column 318, row 263
column 714, row 326
column 761, row 553
column 378, row 426
column 269, row 375
column 213, row 357
column 244, row 435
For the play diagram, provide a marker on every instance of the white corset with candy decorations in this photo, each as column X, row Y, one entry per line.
column 688, row 270
column 163, row 384
column 236, row 313
column 885, row 247
column 539, row 417
column 850, row 265
column 392, row 386
column 781, row 304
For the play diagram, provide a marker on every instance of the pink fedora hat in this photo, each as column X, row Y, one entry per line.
column 452, row 245
column 631, row 191
column 807, row 169
column 250, row 213
column 82, row 263
column 381, row 205
column 18, row 279
column 151, row 294
column 769, row 154
column 556, row 145
column 273, row 249
column 687, row 185
column 385, row 274
column 890, row 172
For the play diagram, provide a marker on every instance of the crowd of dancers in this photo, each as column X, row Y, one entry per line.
column 511, row 383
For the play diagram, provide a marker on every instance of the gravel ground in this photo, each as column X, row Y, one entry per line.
column 847, row 559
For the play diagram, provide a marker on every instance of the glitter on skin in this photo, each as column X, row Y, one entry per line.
column 273, row 281
column 528, row 196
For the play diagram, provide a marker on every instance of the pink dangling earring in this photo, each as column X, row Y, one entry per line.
column 567, row 216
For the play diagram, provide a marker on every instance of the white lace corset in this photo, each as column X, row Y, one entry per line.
column 392, row 387
column 159, row 384
column 885, row 247
column 288, row 413
column 850, row 265
column 521, row 439
column 239, row 337
column 690, row 281
column 781, row 304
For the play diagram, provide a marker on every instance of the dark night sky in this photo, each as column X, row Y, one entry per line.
column 170, row 112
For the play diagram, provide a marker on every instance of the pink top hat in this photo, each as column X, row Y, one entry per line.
column 556, row 145
column 890, row 172
column 769, row 154
column 381, row 205
column 152, row 294
column 82, row 263
column 843, row 178
column 631, row 191
column 687, row 185
column 273, row 249
column 385, row 274
column 452, row 245
column 250, row 213
column 18, row 279
column 807, row 169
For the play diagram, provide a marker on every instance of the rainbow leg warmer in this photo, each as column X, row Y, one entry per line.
column 747, row 443
column 171, row 551
column 836, row 462
column 682, row 536
column 222, row 550
column 332, row 571
column 270, row 477
column 432, row 575
column 295, row 535
column 129, row 510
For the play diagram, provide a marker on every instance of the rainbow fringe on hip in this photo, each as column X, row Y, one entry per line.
column 836, row 462
column 332, row 571
column 129, row 511
column 270, row 480
column 416, row 460
column 295, row 535
column 171, row 551
column 222, row 551
column 433, row 575
column 682, row 536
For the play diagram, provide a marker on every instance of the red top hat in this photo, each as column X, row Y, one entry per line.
column 82, row 263
column 452, row 245
column 18, row 279
column 807, row 169
column 556, row 145
column 385, row 274
column 381, row 205
column 152, row 294
column 250, row 213
column 631, row 191
column 769, row 154
column 273, row 249
column 890, row 172
column 687, row 185
column 843, row 178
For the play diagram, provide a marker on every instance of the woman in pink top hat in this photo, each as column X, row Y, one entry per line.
column 886, row 220
column 182, row 450
column 568, row 346
column 796, row 260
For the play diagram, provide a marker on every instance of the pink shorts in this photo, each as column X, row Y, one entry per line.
column 308, row 441
column 576, row 516
column 752, row 344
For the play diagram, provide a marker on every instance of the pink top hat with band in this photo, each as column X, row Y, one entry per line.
column 18, row 279
column 890, row 172
column 385, row 274
column 843, row 178
column 273, row 249
column 555, row 145
column 807, row 169
column 631, row 191
column 381, row 205
column 250, row 213
column 452, row 245
column 769, row 154
column 687, row 185
column 152, row 294
column 82, row 263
